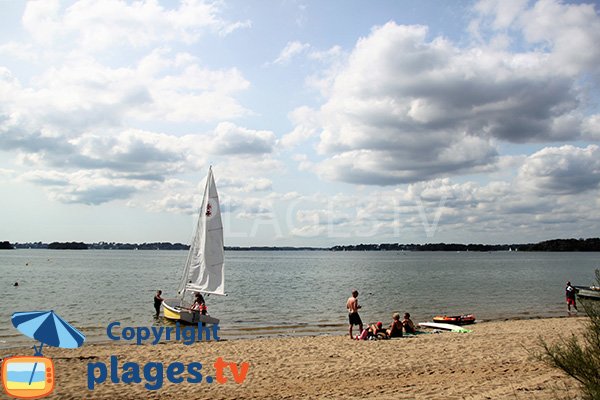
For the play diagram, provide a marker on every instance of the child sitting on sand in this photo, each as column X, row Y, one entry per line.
column 374, row 331
column 377, row 330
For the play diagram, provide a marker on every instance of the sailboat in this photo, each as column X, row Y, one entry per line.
column 203, row 271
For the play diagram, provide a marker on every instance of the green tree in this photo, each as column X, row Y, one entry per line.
column 580, row 357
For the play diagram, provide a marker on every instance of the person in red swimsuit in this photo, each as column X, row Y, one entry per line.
column 570, row 294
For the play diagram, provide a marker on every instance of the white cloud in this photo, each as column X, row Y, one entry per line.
column 246, row 184
column 304, row 164
column 248, row 207
column 83, row 94
column 19, row 51
column 430, row 108
column 179, row 203
column 86, row 187
column 291, row 50
column 591, row 127
column 334, row 60
column 94, row 25
column 503, row 12
column 306, row 125
column 562, row 170
column 572, row 31
column 231, row 139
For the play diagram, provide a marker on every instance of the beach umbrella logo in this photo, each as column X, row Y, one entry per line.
column 28, row 377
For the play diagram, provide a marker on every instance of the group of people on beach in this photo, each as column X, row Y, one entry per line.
column 376, row 330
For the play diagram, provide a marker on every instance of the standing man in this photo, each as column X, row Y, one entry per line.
column 157, row 302
column 570, row 293
column 353, row 317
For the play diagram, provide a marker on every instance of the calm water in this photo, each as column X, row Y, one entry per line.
column 286, row 293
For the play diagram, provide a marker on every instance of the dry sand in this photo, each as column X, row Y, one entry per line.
column 492, row 362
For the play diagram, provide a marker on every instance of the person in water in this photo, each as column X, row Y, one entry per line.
column 353, row 317
column 409, row 326
column 199, row 304
column 570, row 294
column 395, row 329
column 158, row 301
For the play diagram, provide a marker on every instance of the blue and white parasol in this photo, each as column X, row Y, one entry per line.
column 48, row 328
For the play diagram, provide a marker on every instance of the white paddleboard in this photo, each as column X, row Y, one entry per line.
column 440, row 325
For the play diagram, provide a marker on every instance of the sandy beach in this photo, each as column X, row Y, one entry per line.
column 494, row 361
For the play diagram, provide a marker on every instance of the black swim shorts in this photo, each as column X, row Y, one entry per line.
column 354, row 319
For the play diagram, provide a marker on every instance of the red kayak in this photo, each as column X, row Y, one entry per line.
column 455, row 319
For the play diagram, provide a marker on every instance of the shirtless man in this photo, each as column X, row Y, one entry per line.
column 353, row 317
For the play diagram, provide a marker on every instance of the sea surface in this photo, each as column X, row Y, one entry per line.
column 276, row 293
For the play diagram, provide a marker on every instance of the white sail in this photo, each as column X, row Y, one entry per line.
column 204, row 270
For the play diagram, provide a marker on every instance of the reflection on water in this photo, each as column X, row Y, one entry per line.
column 288, row 293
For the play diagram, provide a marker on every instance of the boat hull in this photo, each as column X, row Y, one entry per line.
column 173, row 311
column 588, row 292
column 456, row 319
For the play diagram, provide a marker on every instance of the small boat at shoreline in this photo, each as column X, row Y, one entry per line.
column 203, row 271
column 455, row 319
column 588, row 292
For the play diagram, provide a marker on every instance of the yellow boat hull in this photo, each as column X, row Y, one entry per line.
column 169, row 314
column 172, row 311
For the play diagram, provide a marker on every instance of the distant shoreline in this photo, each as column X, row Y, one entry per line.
column 556, row 245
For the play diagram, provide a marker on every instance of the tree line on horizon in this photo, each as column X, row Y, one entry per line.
column 590, row 244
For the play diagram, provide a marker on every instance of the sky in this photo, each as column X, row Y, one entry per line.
column 326, row 122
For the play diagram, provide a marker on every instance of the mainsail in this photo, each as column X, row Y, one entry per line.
column 203, row 270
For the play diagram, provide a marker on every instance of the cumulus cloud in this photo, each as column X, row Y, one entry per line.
column 138, row 156
column 430, row 108
column 591, row 128
column 572, row 31
column 247, row 185
column 306, row 125
column 562, row 170
column 179, row 203
column 449, row 211
column 81, row 114
column 231, row 139
column 130, row 151
column 248, row 207
column 83, row 93
column 85, row 187
column 99, row 25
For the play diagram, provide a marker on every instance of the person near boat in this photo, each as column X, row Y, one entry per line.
column 199, row 304
column 158, row 301
column 396, row 326
column 203, row 271
column 570, row 294
column 409, row 326
column 353, row 317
